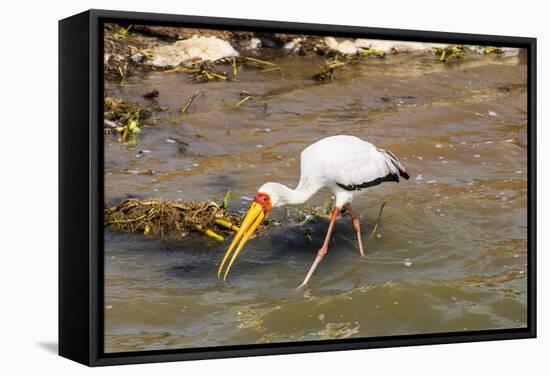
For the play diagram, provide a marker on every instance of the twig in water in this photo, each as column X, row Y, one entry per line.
column 377, row 220
column 268, row 66
column 189, row 101
column 233, row 63
column 247, row 96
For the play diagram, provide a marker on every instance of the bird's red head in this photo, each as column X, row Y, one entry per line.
column 263, row 200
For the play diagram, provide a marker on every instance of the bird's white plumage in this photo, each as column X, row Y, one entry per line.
column 344, row 160
column 347, row 160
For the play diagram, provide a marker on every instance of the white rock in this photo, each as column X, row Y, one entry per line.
column 395, row 45
column 510, row 51
column 254, row 43
column 201, row 48
column 346, row 47
column 292, row 44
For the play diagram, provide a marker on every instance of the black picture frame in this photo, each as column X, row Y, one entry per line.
column 81, row 187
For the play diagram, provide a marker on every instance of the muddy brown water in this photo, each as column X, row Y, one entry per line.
column 450, row 254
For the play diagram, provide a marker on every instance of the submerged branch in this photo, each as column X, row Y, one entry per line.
column 377, row 220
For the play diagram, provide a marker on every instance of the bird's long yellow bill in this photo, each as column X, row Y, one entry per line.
column 251, row 221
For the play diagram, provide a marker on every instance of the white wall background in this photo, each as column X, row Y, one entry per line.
column 28, row 186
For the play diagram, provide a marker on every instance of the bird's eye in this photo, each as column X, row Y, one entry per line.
column 264, row 199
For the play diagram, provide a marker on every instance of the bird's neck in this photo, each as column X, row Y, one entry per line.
column 301, row 194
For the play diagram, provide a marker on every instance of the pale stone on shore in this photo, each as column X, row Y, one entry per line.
column 195, row 48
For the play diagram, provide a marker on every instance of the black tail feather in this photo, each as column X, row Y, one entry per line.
column 397, row 163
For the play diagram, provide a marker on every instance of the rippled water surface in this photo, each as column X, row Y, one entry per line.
column 450, row 254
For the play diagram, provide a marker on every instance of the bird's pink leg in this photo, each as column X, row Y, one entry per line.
column 356, row 226
column 323, row 250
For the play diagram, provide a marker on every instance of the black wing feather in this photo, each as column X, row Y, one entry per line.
column 354, row 187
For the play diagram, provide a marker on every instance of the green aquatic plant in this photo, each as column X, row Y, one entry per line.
column 447, row 53
column 175, row 120
column 122, row 73
column 372, row 52
column 226, row 199
column 122, row 32
column 131, row 129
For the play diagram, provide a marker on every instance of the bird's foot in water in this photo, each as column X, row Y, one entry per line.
column 320, row 254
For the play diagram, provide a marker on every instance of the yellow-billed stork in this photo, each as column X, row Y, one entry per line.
column 345, row 165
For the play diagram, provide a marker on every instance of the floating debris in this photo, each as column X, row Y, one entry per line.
column 265, row 66
column 148, row 172
column 247, row 96
column 123, row 119
column 327, row 71
column 207, row 71
column 336, row 60
column 182, row 145
column 171, row 218
column 485, row 50
column 151, row 94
